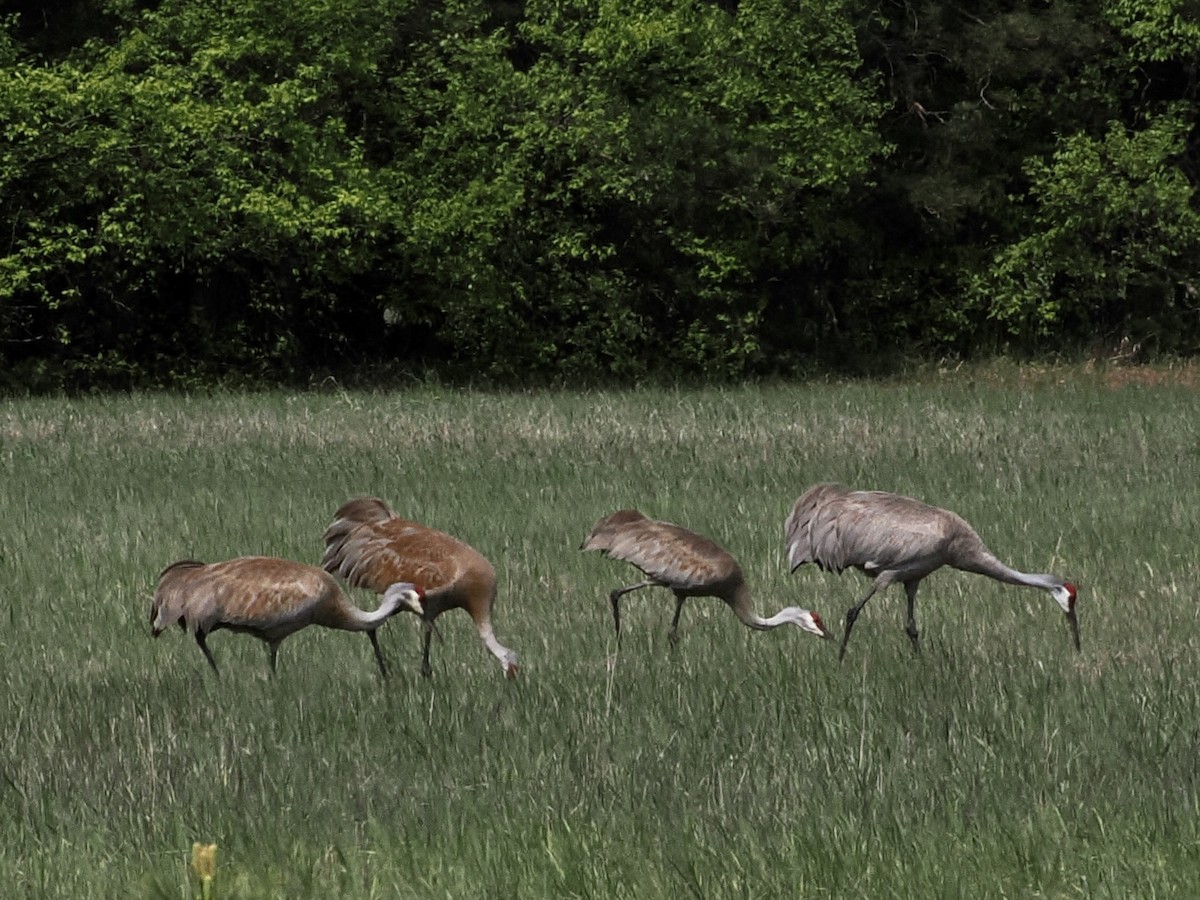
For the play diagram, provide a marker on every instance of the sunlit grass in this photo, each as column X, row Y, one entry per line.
column 998, row 763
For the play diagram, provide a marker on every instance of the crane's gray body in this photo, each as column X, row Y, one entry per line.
column 877, row 532
column 690, row 564
column 892, row 538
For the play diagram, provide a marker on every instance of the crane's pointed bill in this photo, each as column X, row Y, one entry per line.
column 1074, row 627
column 823, row 631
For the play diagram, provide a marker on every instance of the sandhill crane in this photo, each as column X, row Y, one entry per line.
column 268, row 598
column 370, row 546
column 892, row 538
column 689, row 564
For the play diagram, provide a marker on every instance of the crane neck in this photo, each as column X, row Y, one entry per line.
column 507, row 656
column 987, row 564
column 356, row 619
column 743, row 607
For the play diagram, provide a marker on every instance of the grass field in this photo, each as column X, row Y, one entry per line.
column 740, row 764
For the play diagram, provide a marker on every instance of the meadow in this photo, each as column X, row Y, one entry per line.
column 998, row 763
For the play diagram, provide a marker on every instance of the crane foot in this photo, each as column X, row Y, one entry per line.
column 915, row 637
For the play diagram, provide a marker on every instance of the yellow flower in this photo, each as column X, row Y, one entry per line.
column 204, row 862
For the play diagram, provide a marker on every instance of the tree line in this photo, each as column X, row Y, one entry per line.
column 598, row 189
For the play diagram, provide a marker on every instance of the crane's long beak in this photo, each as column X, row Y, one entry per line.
column 820, row 623
column 1074, row 627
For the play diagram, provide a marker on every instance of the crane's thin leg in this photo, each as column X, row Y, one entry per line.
column 273, row 650
column 378, row 653
column 427, row 635
column 615, row 599
column 853, row 612
column 673, row 634
column 910, row 588
column 207, row 653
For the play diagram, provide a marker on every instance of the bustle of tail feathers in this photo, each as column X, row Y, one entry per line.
column 162, row 593
column 181, row 564
column 347, row 559
column 363, row 509
column 343, row 554
column 798, row 527
column 602, row 533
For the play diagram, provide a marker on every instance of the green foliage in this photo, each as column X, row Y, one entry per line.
column 1114, row 241
column 585, row 188
column 617, row 187
column 1161, row 30
column 191, row 190
column 588, row 187
column 972, row 95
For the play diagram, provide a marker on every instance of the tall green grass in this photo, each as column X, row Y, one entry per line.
column 739, row 764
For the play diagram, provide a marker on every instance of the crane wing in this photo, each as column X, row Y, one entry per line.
column 249, row 592
column 380, row 552
column 872, row 530
column 666, row 553
column 267, row 593
column 812, row 531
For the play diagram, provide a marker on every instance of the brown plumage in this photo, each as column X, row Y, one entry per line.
column 371, row 547
column 891, row 538
column 689, row 564
column 265, row 597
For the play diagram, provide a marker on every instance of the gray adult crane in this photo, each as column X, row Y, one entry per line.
column 268, row 598
column 689, row 564
column 892, row 538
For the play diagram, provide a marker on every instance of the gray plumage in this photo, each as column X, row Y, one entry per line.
column 891, row 538
column 690, row 564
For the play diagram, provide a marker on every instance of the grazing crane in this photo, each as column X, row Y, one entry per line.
column 371, row 547
column 687, row 563
column 265, row 597
column 892, row 538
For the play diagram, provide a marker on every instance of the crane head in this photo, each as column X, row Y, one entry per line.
column 806, row 619
column 510, row 663
column 405, row 596
column 1065, row 597
column 818, row 627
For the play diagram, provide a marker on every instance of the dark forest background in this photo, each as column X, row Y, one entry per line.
column 204, row 190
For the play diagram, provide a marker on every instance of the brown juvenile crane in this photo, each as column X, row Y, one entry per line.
column 371, row 547
column 265, row 597
column 689, row 564
column 892, row 538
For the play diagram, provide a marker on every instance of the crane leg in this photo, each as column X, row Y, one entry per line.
column 378, row 653
column 852, row 614
column 673, row 634
column 426, row 636
column 910, row 588
column 615, row 599
column 207, row 653
column 272, row 651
